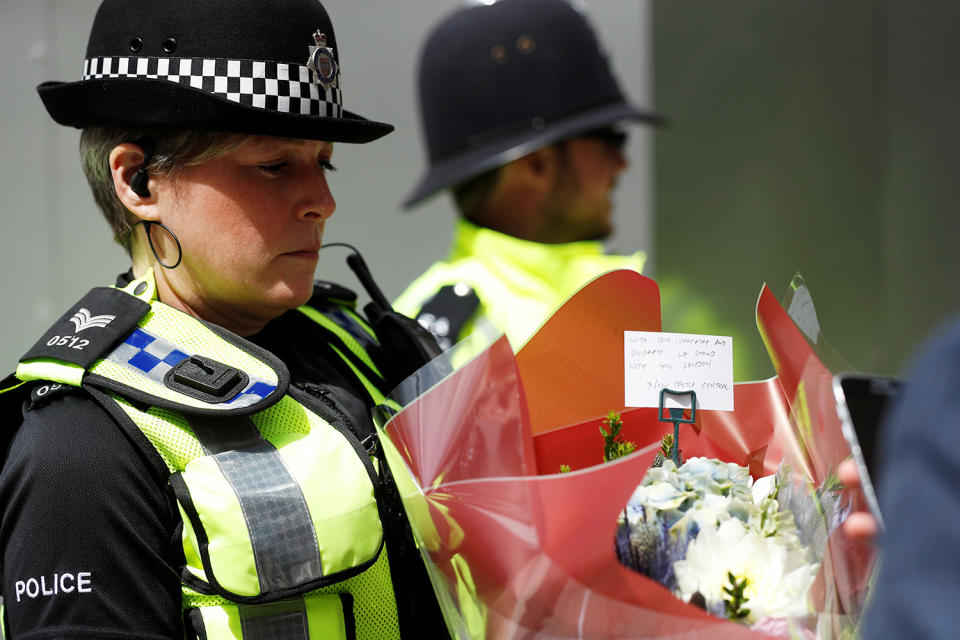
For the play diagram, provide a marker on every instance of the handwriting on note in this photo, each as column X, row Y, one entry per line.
column 680, row 362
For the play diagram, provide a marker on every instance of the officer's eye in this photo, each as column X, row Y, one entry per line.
column 326, row 166
column 272, row 170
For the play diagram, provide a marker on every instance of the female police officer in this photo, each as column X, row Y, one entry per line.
column 195, row 455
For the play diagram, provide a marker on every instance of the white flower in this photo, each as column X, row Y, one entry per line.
column 649, row 499
column 701, row 491
column 710, row 510
column 763, row 487
column 778, row 577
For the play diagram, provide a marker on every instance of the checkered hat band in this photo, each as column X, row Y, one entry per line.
column 274, row 86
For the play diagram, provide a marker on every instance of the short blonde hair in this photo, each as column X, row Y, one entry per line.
column 172, row 151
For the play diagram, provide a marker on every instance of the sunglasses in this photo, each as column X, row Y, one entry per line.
column 611, row 137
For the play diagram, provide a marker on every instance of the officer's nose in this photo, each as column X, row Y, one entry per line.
column 619, row 159
column 317, row 203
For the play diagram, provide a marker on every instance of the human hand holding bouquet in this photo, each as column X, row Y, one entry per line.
column 860, row 525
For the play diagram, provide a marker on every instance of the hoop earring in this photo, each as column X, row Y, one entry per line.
column 148, row 227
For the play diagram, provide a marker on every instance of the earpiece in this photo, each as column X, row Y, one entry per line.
column 138, row 183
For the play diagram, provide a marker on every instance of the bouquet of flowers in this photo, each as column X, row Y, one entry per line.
column 733, row 546
column 517, row 549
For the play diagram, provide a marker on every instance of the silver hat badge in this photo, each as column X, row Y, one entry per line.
column 322, row 62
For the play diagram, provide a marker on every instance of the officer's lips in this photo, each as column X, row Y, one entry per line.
column 309, row 253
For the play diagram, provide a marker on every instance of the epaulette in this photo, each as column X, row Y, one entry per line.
column 14, row 393
column 43, row 393
column 324, row 291
column 446, row 313
column 122, row 341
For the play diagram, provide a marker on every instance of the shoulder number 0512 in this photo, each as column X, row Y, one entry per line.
column 72, row 342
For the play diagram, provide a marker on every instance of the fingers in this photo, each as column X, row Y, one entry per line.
column 847, row 472
column 860, row 525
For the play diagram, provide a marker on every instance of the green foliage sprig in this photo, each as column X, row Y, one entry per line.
column 735, row 589
column 666, row 445
column 614, row 446
column 666, row 451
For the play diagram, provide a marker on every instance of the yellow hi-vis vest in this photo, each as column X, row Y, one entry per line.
column 493, row 283
column 281, row 533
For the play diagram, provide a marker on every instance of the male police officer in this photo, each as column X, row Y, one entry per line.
column 519, row 108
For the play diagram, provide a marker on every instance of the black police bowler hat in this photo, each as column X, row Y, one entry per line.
column 498, row 81
column 268, row 67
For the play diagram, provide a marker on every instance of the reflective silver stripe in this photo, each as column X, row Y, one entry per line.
column 276, row 621
column 284, row 541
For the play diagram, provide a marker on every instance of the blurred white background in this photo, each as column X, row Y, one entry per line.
column 54, row 245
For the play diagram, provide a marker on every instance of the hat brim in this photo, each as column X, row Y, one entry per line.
column 460, row 166
column 163, row 104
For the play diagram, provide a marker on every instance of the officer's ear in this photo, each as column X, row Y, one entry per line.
column 537, row 170
column 131, row 183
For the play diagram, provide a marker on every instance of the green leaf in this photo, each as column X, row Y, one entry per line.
column 614, row 446
column 735, row 605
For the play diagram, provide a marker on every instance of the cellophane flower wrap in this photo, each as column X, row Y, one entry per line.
column 516, row 549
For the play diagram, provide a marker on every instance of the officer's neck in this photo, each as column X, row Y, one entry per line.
column 177, row 291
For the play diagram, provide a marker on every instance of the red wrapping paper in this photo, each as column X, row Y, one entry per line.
column 516, row 549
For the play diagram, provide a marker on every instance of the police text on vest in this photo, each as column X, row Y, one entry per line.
column 52, row 585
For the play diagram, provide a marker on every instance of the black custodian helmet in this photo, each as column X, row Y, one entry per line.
column 500, row 80
column 267, row 67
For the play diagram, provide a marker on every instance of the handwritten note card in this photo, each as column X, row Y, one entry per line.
column 681, row 362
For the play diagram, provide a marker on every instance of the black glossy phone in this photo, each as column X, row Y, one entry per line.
column 862, row 402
